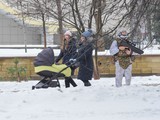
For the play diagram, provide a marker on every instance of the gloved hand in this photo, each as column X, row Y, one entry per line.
column 71, row 61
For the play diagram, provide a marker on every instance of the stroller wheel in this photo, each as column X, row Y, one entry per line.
column 58, row 85
column 53, row 84
column 33, row 87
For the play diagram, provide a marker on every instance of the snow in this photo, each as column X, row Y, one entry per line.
column 19, row 50
column 32, row 52
column 102, row 101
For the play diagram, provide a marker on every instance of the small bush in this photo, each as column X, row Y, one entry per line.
column 16, row 72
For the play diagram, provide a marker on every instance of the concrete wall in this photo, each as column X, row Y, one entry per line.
column 11, row 32
column 143, row 65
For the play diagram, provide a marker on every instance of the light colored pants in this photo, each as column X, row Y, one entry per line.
column 120, row 72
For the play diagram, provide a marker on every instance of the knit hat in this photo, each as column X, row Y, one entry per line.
column 87, row 33
column 125, row 36
column 68, row 33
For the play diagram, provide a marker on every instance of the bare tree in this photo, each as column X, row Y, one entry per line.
column 60, row 22
column 103, row 16
column 24, row 30
column 141, row 21
column 35, row 9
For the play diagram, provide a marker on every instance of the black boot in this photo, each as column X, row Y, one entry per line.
column 72, row 82
column 86, row 83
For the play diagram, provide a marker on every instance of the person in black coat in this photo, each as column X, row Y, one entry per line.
column 85, row 72
column 68, row 52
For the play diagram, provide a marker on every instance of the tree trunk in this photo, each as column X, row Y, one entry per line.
column 99, row 41
column 44, row 31
column 60, row 23
column 24, row 30
column 99, row 24
column 95, row 70
column 148, row 17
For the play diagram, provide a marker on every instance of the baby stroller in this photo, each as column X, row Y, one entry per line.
column 45, row 67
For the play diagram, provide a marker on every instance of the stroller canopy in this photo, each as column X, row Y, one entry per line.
column 45, row 62
column 45, row 57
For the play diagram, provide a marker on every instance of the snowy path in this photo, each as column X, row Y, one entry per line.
column 101, row 101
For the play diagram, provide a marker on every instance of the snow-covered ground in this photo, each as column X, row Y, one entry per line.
column 101, row 101
column 33, row 52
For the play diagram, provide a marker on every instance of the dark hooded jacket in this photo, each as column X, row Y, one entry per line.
column 68, row 53
column 86, row 62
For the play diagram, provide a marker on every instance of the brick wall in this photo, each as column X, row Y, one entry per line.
column 143, row 65
column 7, row 62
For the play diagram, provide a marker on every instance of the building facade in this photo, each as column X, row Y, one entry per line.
column 12, row 32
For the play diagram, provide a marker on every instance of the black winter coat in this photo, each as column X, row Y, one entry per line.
column 68, row 53
column 86, row 62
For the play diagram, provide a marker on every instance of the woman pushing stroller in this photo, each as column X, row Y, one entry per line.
column 68, row 51
column 84, row 57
